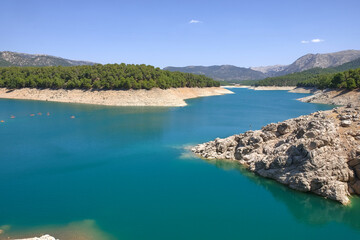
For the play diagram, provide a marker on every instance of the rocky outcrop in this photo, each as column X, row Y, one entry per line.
column 316, row 153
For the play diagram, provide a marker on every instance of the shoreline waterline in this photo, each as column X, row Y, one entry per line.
column 173, row 97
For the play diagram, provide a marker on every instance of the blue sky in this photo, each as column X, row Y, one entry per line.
column 162, row 33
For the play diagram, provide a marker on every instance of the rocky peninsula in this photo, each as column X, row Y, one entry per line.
column 172, row 97
column 340, row 97
column 332, row 96
column 316, row 153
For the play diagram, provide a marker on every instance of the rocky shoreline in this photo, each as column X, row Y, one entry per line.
column 173, row 97
column 339, row 97
column 333, row 96
column 316, row 153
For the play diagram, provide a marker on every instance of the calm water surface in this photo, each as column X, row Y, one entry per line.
column 123, row 173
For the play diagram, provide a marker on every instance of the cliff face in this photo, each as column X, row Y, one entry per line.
column 316, row 153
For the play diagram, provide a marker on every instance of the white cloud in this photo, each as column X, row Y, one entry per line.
column 317, row 40
column 194, row 21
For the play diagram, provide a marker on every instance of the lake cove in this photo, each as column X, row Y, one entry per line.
column 125, row 173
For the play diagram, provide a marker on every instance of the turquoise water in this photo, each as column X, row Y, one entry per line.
column 125, row 169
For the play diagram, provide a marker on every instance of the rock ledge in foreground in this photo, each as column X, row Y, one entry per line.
column 316, row 153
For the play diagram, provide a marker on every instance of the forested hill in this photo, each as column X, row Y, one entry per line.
column 110, row 76
column 36, row 60
column 349, row 79
column 295, row 78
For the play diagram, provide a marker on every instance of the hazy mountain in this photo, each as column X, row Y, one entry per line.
column 306, row 62
column 270, row 70
column 23, row 59
column 222, row 72
column 327, row 60
column 292, row 79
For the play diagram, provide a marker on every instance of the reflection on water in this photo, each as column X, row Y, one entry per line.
column 82, row 230
column 305, row 207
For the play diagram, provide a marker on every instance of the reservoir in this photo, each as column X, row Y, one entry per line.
column 95, row 172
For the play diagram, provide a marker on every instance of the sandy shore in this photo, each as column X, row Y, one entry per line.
column 173, row 97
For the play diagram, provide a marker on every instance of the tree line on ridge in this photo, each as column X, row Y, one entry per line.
column 109, row 76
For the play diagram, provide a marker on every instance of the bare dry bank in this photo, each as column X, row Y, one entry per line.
column 173, row 97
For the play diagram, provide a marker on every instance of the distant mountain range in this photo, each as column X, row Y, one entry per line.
column 25, row 60
column 306, row 62
column 223, row 72
column 293, row 79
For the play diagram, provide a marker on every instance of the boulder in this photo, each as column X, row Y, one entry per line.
column 283, row 128
column 346, row 123
column 345, row 117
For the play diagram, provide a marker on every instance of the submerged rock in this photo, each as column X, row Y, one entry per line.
column 315, row 153
column 44, row 237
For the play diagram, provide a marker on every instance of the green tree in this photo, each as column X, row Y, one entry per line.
column 338, row 80
column 350, row 83
column 98, row 76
